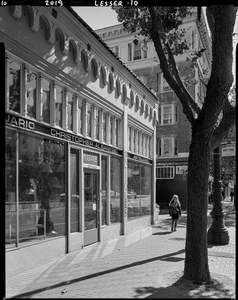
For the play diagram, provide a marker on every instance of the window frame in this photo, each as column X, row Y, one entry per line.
column 173, row 144
column 167, row 172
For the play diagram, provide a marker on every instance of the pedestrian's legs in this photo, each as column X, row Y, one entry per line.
column 172, row 225
column 175, row 224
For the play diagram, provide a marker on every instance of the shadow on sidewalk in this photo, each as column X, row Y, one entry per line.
column 168, row 257
column 183, row 288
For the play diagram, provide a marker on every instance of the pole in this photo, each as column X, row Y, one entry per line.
column 217, row 233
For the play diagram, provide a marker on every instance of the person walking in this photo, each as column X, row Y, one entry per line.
column 174, row 211
column 232, row 195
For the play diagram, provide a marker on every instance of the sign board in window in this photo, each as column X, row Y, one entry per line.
column 181, row 169
column 90, row 160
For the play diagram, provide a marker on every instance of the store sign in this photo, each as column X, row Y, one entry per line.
column 139, row 158
column 20, row 122
column 46, row 129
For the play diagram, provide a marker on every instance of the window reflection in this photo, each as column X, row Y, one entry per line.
column 31, row 93
column 14, row 78
column 10, row 194
column 80, row 114
column 103, row 127
column 88, row 118
column 74, row 190
column 139, row 190
column 58, row 106
column 96, row 124
column 70, row 110
column 41, row 212
column 45, row 100
column 104, row 190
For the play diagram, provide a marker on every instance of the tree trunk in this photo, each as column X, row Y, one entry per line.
column 196, row 256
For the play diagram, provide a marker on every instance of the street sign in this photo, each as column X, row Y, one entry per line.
column 228, row 150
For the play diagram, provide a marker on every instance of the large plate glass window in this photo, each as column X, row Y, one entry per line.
column 41, row 186
column 139, row 190
column 40, row 211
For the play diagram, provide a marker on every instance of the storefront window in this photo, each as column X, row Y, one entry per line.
column 117, row 132
column 139, row 190
column 31, row 93
column 115, row 193
column 14, row 85
column 41, row 207
column 111, row 128
column 80, row 109
column 129, row 138
column 89, row 117
column 10, row 193
column 58, row 106
column 103, row 127
column 104, row 190
column 133, row 148
column 45, row 100
column 96, row 124
column 70, row 110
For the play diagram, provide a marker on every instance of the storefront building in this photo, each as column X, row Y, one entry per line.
column 79, row 138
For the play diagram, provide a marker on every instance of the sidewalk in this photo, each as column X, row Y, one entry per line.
column 133, row 266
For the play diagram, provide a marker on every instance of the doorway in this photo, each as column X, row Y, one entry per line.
column 91, row 206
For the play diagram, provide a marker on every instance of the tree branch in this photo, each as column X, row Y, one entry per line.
column 189, row 98
column 185, row 98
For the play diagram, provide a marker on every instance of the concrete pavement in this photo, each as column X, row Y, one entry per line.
column 133, row 266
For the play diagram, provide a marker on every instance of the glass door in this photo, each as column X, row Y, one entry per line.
column 91, row 206
column 74, row 190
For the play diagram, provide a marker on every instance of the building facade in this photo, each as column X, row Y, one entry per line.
column 173, row 130
column 70, row 178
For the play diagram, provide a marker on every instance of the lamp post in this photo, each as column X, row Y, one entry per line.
column 217, row 233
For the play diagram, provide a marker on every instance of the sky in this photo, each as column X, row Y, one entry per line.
column 97, row 17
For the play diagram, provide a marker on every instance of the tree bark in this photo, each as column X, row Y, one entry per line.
column 196, row 260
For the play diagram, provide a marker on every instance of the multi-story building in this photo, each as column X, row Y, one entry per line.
column 70, row 180
column 173, row 130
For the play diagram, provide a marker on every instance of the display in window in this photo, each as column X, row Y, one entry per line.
column 41, row 213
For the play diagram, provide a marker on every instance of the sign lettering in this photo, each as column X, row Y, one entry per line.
column 28, row 124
